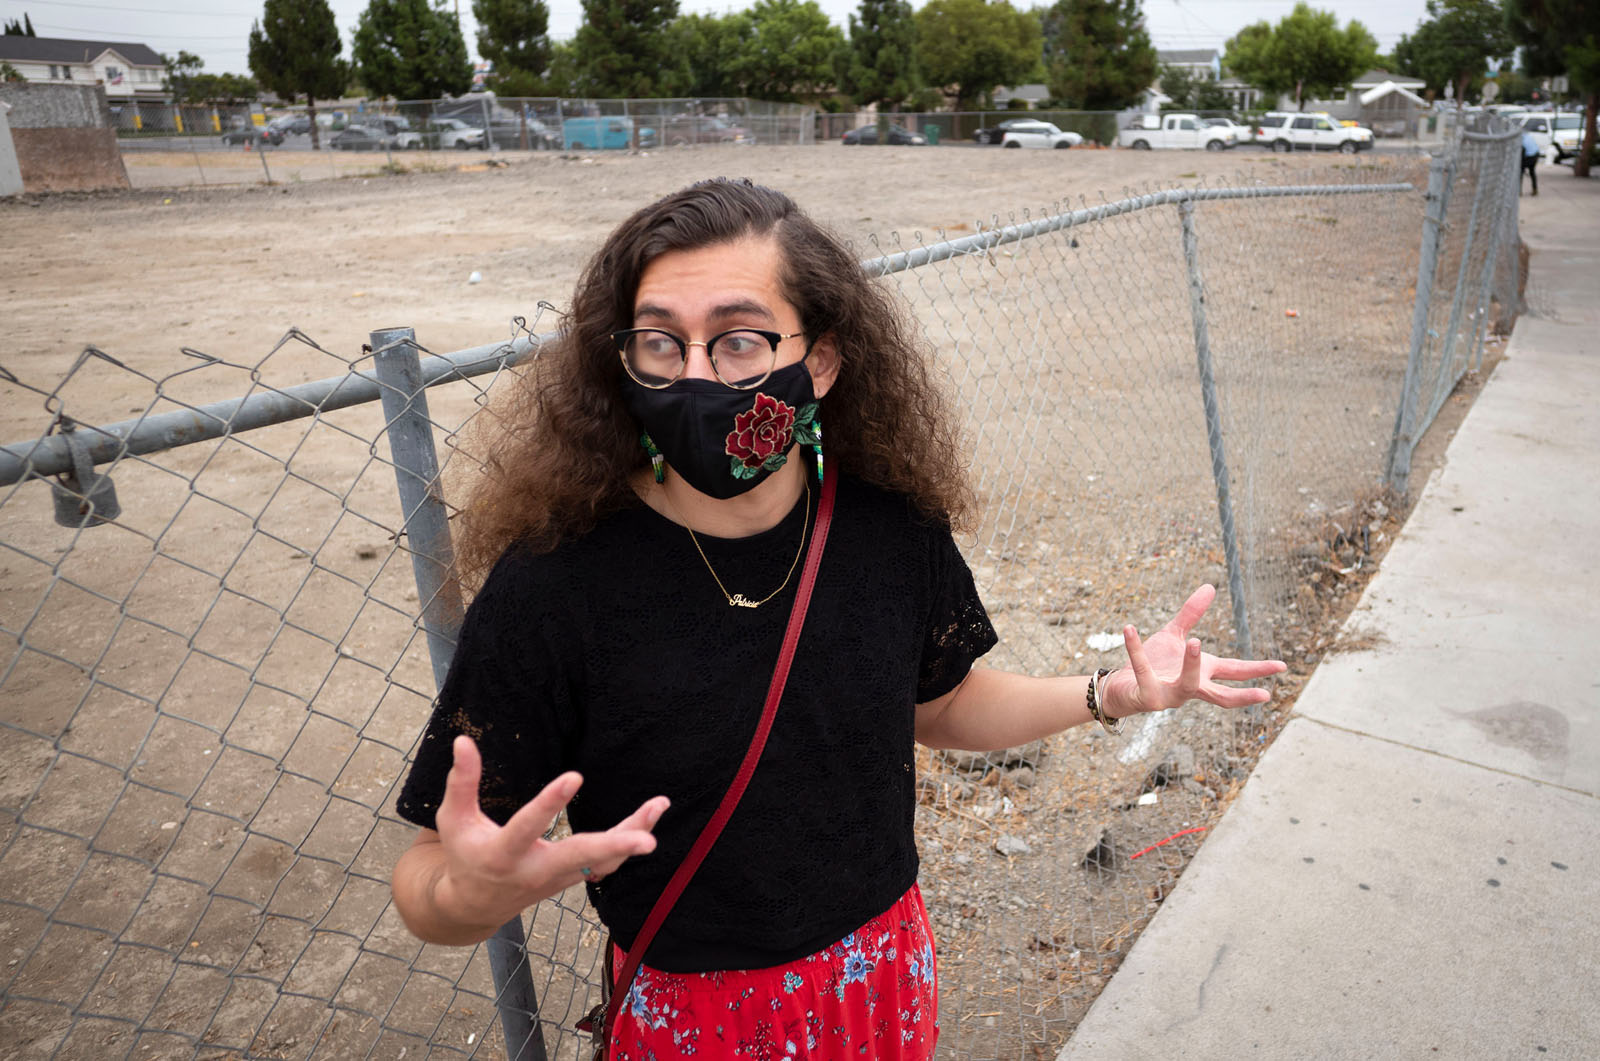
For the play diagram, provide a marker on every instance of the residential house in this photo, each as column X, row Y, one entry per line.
column 1388, row 104
column 1206, row 64
column 129, row 72
column 1032, row 96
column 1196, row 62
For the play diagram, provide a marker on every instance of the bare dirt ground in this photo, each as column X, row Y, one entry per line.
column 216, row 695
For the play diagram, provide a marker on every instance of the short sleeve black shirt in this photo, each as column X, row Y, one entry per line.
column 616, row 655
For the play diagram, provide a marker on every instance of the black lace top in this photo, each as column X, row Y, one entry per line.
column 616, row 655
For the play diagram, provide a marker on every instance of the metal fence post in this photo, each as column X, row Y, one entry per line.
column 1402, row 441
column 1219, row 461
column 488, row 127
column 398, row 369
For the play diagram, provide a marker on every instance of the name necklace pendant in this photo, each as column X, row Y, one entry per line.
column 739, row 600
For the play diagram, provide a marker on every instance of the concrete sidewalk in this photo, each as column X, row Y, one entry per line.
column 1413, row 869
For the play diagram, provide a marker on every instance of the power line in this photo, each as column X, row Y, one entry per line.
column 125, row 9
column 101, row 33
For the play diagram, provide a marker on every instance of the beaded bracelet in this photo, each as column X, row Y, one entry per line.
column 1096, row 711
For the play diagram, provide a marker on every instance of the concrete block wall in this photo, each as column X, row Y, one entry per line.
column 63, row 137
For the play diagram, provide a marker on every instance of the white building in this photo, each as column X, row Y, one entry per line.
column 128, row 71
column 1198, row 63
column 1205, row 64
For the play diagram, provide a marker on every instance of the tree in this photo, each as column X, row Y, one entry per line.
column 294, row 51
column 1179, row 86
column 183, row 70
column 23, row 28
column 1306, row 53
column 709, row 47
column 971, row 46
column 1563, row 35
column 411, row 49
column 879, row 65
column 561, row 76
column 514, row 35
column 1097, row 54
column 788, row 53
column 10, row 74
column 1456, row 44
column 189, row 84
column 623, row 49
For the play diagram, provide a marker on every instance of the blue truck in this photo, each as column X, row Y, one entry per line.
column 603, row 134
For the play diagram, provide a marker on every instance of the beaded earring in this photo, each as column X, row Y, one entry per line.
column 656, row 463
column 816, row 429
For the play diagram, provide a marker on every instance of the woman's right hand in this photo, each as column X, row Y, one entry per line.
column 479, row 874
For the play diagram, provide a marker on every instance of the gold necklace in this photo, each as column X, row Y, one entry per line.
column 739, row 600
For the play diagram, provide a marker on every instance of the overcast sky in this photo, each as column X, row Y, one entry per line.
column 217, row 30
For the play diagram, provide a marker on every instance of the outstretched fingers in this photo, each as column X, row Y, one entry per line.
column 459, row 807
column 535, row 817
column 1193, row 610
column 1189, row 672
column 1243, row 670
column 1143, row 675
column 593, row 856
column 1228, row 696
column 645, row 818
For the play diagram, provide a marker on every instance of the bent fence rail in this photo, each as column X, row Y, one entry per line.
column 217, row 673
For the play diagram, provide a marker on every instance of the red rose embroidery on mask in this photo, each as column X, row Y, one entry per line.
column 761, row 433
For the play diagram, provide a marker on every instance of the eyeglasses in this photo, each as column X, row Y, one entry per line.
column 742, row 358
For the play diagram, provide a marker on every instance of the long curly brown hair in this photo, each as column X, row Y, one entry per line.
column 559, row 454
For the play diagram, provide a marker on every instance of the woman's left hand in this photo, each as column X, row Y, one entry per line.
column 1170, row 669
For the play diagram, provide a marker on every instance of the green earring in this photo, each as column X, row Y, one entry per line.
column 816, row 429
column 656, row 463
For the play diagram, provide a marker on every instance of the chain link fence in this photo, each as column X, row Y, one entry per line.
column 226, row 619
column 241, row 143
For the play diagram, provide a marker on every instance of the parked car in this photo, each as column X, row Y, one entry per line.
column 997, row 133
column 397, row 130
column 291, row 124
column 1284, row 131
column 1566, row 135
column 452, row 132
column 1542, row 128
column 682, row 129
column 868, row 134
column 1039, row 134
column 1241, row 134
column 507, row 132
column 360, row 138
column 1173, row 131
column 253, row 134
column 1268, row 126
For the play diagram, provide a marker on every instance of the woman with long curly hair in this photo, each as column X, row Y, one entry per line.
column 734, row 420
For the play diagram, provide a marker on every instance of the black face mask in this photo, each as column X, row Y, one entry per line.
column 725, row 441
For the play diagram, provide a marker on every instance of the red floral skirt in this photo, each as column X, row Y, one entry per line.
column 873, row 994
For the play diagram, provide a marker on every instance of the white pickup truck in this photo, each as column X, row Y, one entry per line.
column 1182, row 131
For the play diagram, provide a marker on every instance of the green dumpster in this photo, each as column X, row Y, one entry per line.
column 931, row 132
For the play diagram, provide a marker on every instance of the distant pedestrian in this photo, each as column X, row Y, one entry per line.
column 1530, row 159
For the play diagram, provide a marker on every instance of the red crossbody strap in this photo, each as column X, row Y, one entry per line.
column 730, row 799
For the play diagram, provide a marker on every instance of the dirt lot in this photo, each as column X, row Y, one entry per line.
column 229, row 270
column 217, row 694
